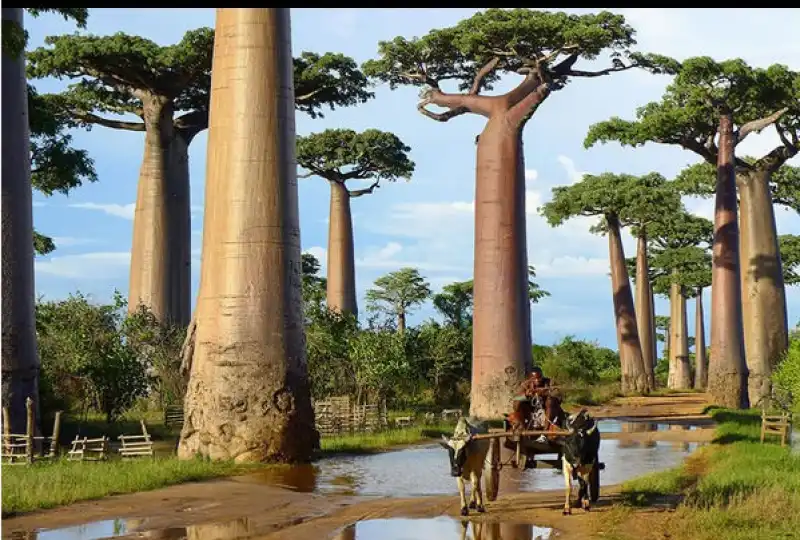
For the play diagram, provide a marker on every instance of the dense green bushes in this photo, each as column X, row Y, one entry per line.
column 787, row 376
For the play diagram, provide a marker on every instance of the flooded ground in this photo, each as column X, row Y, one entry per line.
column 424, row 470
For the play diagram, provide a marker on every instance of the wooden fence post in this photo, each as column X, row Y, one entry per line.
column 29, row 430
column 7, row 430
column 56, row 433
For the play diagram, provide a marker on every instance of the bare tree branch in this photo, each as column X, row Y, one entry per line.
column 359, row 192
column 90, row 118
column 192, row 123
column 301, row 99
column 758, row 125
column 484, row 71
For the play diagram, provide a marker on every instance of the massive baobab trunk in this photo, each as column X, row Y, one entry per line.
column 160, row 268
column 341, row 254
column 764, row 320
column 727, row 372
column 501, row 324
column 644, row 310
column 522, row 252
column 20, row 356
column 248, row 397
column 634, row 378
column 680, row 374
column 700, row 359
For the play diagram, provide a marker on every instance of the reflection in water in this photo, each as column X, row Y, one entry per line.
column 684, row 446
column 237, row 528
column 636, row 427
column 442, row 528
column 424, row 470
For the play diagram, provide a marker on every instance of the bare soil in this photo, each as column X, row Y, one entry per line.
column 276, row 513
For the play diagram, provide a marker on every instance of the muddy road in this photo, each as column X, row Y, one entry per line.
column 374, row 497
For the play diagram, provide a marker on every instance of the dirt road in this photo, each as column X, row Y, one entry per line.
column 260, row 511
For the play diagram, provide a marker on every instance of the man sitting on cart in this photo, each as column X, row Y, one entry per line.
column 529, row 403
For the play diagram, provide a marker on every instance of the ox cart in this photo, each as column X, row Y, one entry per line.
column 527, row 451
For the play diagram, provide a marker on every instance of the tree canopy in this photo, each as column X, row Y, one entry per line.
column 790, row 257
column 543, row 46
column 339, row 155
column 115, row 73
column 633, row 200
column 688, row 113
column 15, row 38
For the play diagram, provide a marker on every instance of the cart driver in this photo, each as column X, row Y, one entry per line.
column 535, row 385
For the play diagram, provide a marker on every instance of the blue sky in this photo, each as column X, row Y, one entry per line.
column 426, row 222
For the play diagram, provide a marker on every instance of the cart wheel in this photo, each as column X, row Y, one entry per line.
column 594, row 484
column 492, row 472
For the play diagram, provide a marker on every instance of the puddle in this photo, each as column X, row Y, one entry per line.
column 442, row 528
column 423, row 470
column 137, row 528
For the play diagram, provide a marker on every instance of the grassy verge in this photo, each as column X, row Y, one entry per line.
column 599, row 394
column 46, row 485
column 368, row 443
column 735, row 488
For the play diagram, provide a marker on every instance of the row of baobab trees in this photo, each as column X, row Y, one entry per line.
column 248, row 393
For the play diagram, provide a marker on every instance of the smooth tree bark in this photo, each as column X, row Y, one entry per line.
column 634, row 377
column 644, row 309
column 727, row 371
column 680, row 373
column 700, row 358
column 341, row 289
column 20, row 355
column 764, row 317
column 248, row 397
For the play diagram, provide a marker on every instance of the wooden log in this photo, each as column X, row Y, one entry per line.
column 515, row 435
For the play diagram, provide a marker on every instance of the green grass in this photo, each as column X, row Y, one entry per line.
column 736, row 488
column 46, row 485
column 367, row 443
column 599, row 394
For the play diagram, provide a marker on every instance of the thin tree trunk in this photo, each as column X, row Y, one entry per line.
column 644, row 309
column 680, row 368
column 180, row 252
column 157, row 221
column 522, row 252
column 727, row 372
column 248, row 397
column 401, row 322
column 634, row 378
column 700, row 359
column 500, row 347
column 651, row 297
column 20, row 356
column 766, row 327
column 672, row 370
column 341, row 254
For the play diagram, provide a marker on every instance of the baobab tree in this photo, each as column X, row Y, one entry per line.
column 163, row 91
column 397, row 293
column 610, row 197
column 543, row 47
column 341, row 156
column 248, row 397
column 20, row 357
column 705, row 94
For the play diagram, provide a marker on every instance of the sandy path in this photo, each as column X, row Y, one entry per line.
column 255, row 510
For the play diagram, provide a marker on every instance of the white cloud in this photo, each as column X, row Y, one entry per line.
column 321, row 254
column 531, row 174
column 564, row 266
column 38, row 204
column 702, row 207
column 573, row 173
column 95, row 265
column 386, row 258
column 124, row 211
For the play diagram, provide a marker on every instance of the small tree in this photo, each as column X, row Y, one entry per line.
column 544, row 48
column 380, row 364
column 328, row 335
column 454, row 303
column 445, row 351
column 339, row 156
column 706, row 99
column 397, row 293
column 610, row 197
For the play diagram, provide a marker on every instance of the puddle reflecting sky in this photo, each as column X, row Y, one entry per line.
column 442, row 528
column 237, row 528
column 424, row 470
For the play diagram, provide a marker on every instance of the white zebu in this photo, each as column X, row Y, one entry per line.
column 467, row 459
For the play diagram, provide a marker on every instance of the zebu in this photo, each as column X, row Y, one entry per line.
column 467, row 458
column 580, row 459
